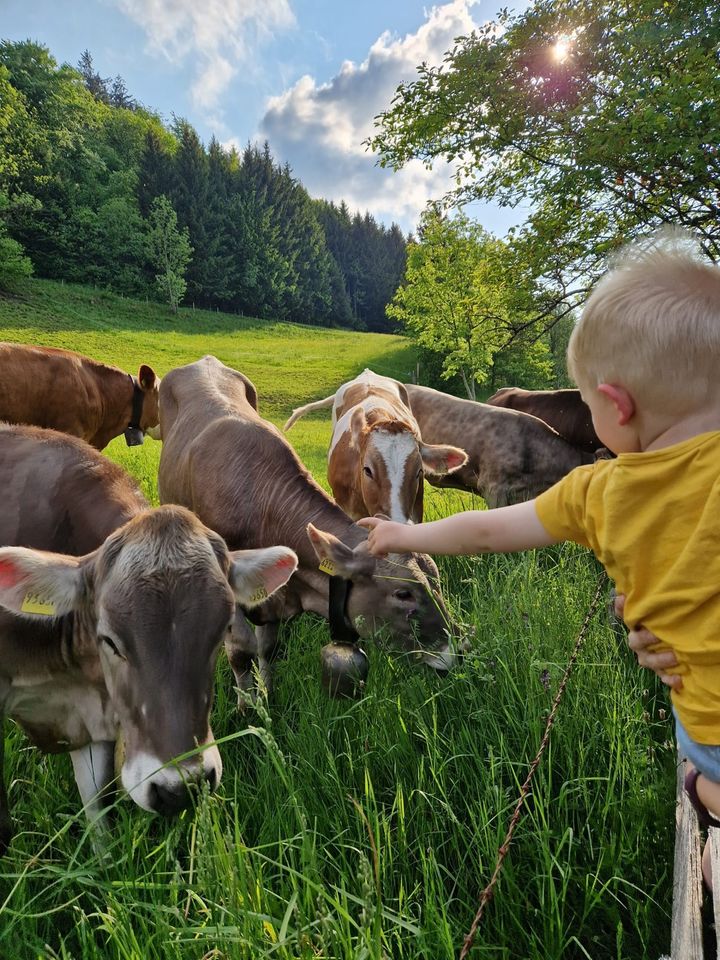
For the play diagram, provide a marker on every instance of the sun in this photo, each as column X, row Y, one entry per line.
column 561, row 49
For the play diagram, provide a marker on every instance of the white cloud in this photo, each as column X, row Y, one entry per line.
column 320, row 129
column 220, row 34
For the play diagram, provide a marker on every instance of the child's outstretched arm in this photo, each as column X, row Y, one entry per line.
column 476, row 531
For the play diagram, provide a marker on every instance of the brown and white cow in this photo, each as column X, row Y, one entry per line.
column 377, row 458
column 111, row 617
column 242, row 478
column 564, row 410
column 512, row 456
column 66, row 391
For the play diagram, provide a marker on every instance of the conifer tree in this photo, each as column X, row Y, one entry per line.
column 190, row 199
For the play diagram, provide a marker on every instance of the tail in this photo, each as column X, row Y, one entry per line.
column 308, row 408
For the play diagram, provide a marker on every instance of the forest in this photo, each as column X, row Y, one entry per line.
column 83, row 166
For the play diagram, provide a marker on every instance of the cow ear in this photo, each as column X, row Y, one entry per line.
column 146, row 377
column 38, row 584
column 439, row 459
column 358, row 424
column 339, row 560
column 255, row 574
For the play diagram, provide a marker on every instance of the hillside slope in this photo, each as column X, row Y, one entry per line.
column 288, row 363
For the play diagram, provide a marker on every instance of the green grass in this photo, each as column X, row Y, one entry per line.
column 362, row 829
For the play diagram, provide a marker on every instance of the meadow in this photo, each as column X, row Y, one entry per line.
column 360, row 829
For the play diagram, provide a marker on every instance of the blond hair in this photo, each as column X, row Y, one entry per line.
column 652, row 324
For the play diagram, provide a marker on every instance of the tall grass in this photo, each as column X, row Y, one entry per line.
column 367, row 829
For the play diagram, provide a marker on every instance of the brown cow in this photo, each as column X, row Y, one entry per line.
column 513, row 456
column 63, row 390
column 564, row 410
column 243, row 479
column 111, row 616
column 377, row 458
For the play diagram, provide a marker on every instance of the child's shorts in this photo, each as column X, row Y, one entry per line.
column 706, row 758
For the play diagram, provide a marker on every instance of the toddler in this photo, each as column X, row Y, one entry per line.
column 646, row 357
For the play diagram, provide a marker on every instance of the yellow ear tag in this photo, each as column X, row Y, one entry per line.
column 327, row 566
column 260, row 594
column 34, row 604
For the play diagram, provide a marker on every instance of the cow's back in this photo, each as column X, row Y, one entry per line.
column 228, row 465
column 512, row 455
column 59, row 493
column 564, row 410
column 215, row 444
column 47, row 387
column 193, row 399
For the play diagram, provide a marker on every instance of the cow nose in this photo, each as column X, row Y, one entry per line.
column 211, row 779
column 169, row 799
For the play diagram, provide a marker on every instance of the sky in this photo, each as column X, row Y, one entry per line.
column 308, row 76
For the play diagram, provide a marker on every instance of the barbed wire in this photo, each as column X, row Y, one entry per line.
column 487, row 893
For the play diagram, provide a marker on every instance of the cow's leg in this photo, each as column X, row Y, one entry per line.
column 94, row 767
column 241, row 649
column 5, row 821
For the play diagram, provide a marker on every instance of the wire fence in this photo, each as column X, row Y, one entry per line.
column 487, row 893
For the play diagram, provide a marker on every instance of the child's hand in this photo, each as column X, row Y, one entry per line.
column 386, row 536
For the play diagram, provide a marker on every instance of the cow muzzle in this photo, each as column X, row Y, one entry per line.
column 169, row 788
column 442, row 660
column 134, row 436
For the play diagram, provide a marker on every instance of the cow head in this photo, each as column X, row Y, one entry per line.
column 151, row 607
column 393, row 460
column 399, row 594
column 149, row 383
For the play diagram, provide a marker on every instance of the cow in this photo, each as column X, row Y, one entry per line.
column 66, row 391
column 111, row 617
column 377, row 458
column 512, row 456
column 239, row 474
column 564, row 410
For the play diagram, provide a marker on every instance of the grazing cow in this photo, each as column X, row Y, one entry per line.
column 63, row 390
column 242, row 478
column 513, row 456
column 564, row 410
column 377, row 458
column 111, row 616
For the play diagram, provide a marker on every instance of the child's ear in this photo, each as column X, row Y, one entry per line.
column 620, row 399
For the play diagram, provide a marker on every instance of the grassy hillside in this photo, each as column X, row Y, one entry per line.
column 288, row 363
column 361, row 829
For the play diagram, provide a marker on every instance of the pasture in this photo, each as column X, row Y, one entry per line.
column 361, row 829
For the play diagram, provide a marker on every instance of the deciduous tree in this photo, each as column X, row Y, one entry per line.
column 603, row 116
column 169, row 251
column 455, row 299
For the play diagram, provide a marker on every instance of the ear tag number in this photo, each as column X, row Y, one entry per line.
column 260, row 594
column 35, row 604
column 327, row 566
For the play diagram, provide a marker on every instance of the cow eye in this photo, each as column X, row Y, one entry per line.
column 111, row 643
column 368, row 472
column 403, row 594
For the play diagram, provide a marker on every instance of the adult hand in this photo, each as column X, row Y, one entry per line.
column 659, row 661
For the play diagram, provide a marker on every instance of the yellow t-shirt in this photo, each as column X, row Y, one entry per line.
column 653, row 521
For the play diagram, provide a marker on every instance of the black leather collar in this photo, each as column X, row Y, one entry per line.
column 341, row 627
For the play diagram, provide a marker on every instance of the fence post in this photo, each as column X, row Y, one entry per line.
column 686, row 931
